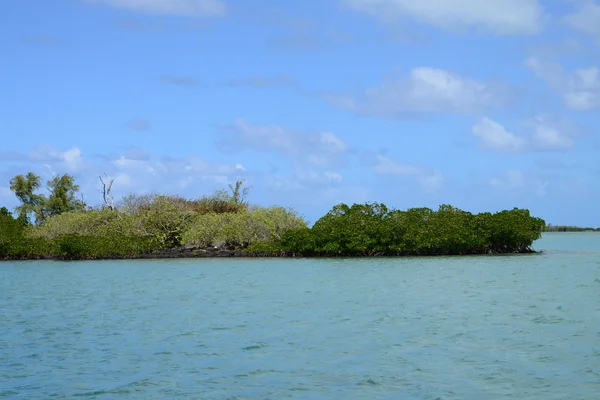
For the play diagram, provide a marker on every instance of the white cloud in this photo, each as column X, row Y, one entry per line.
column 190, row 8
column 428, row 179
column 586, row 19
column 123, row 181
column 315, row 148
column 424, row 90
column 579, row 90
column 169, row 174
column 546, row 134
column 70, row 160
column 312, row 177
column 549, row 137
column 385, row 166
column 501, row 17
column 332, row 176
column 134, row 165
column 134, row 171
column 494, row 136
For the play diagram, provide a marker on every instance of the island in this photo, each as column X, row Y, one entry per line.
column 224, row 224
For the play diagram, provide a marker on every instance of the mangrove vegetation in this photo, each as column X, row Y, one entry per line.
column 62, row 226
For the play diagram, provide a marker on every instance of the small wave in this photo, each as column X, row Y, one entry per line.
column 368, row 382
column 255, row 347
column 553, row 319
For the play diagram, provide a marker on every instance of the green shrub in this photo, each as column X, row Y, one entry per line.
column 241, row 229
column 372, row 229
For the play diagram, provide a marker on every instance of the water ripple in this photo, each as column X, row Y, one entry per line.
column 467, row 328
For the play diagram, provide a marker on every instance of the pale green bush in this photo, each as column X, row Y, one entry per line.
column 242, row 228
column 80, row 223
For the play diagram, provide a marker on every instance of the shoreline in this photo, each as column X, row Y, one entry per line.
column 224, row 252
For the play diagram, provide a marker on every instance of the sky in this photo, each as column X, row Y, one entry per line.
column 484, row 105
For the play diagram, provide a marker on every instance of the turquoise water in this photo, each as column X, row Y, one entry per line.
column 484, row 327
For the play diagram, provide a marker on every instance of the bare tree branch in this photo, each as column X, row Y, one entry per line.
column 107, row 194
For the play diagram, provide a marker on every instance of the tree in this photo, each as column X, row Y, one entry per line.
column 62, row 196
column 107, row 194
column 24, row 187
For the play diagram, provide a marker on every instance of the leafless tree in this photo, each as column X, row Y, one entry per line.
column 107, row 194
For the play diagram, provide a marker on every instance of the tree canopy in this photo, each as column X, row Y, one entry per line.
column 374, row 229
column 62, row 196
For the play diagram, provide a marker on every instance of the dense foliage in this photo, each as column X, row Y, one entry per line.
column 155, row 224
column 14, row 241
column 373, row 229
column 256, row 225
column 147, row 224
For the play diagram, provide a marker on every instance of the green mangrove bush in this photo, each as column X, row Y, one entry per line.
column 373, row 229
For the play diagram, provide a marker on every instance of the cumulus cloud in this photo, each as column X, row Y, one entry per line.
column 186, row 8
column 494, row 136
column 544, row 134
column 424, row 90
column 580, row 90
column 586, row 19
column 501, row 17
column 316, row 148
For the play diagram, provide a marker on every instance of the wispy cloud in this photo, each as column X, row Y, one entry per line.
column 262, row 81
column 187, row 8
column 586, row 18
column 70, row 160
column 501, row 17
column 579, row 90
column 138, row 124
column 427, row 178
column 178, row 80
column 314, row 148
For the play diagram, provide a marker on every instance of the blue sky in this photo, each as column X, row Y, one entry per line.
column 483, row 105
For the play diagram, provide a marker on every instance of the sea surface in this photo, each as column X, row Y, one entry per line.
column 481, row 327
